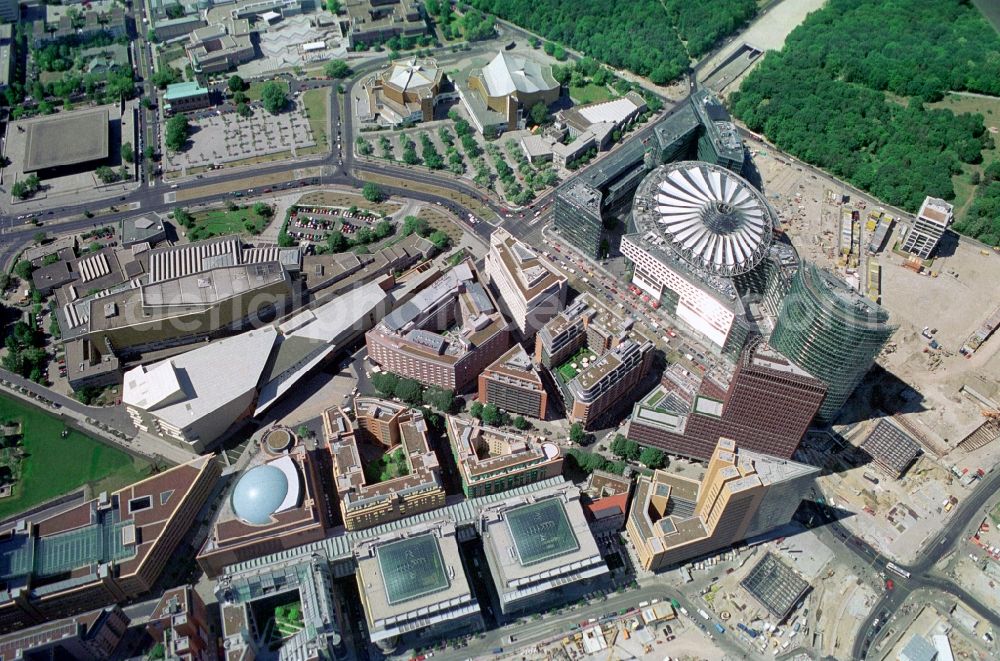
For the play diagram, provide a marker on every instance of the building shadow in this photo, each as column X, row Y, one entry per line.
column 830, row 452
column 880, row 394
column 751, row 173
column 947, row 246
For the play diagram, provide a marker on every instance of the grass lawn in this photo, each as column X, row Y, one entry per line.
column 254, row 92
column 316, row 103
column 567, row 372
column 219, row 222
column 54, row 465
column 590, row 93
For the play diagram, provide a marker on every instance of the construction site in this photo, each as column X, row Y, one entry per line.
column 939, row 373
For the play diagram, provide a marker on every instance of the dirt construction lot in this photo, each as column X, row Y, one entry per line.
column 955, row 302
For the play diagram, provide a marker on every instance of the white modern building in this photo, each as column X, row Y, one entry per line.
column 928, row 227
column 533, row 290
column 310, row 337
column 193, row 398
column 698, row 226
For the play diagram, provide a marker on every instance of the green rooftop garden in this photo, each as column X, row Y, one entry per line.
column 567, row 372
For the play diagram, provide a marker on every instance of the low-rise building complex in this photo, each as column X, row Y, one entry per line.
column 413, row 585
column 277, row 503
column 107, row 550
column 499, row 96
column 513, row 384
column 92, row 636
column 180, row 622
column 365, row 501
column 188, row 400
column 540, row 549
column 593, row 358
column 446, row 335
column 492, row 460
column 406, row 91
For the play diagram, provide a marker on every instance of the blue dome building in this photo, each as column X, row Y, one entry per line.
column 265, row 490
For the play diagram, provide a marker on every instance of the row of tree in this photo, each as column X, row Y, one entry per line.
column 824, row 102
column 588, row 462
column 337, row 241
column 632, row 451
column 25, row 353
column 492, row 415
column 413, row 392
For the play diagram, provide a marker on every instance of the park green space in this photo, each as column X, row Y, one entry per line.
column 220, row 222
column 316, row 102
column 902, row 117
column 989, row 108
column 256, row 89
column 591, row 93
column 54, row 465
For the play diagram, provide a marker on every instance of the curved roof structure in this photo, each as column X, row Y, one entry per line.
column 413, row 73
column 266, row 490
column 507, row 74
column 710, row 217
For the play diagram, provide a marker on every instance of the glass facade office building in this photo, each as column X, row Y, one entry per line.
column 831, row 331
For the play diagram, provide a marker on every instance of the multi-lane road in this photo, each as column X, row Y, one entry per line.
column 922, row 574
column 341, row 168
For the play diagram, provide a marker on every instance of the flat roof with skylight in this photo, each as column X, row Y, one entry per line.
column 541, row 531
column 413, row 579
column 412, row 568
column 535, row 543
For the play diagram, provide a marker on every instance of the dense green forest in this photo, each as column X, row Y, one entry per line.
column 983, row 218
column 643, row 36
column 701, row 24
column 851, row 100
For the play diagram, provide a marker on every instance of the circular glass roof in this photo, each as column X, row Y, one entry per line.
column 259, row 494
column 712, row 218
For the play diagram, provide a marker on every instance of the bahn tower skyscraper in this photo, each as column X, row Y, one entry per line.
column 831, row 331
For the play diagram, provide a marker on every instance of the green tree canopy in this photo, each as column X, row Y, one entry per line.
column 410, row 391
column 441, row 399
column 652, row 458
column 440, row 239
column 337, row 69
column 372, row 192
column 385, row 383
column 273, row 97
column 177, row 132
